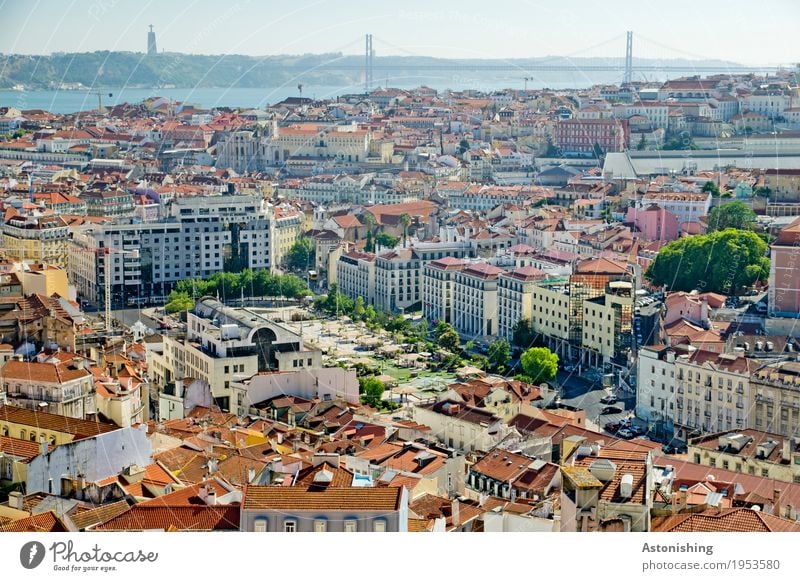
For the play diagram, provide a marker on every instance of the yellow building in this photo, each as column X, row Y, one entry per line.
column 36, row 239
column 30, row 425
column 43, row 279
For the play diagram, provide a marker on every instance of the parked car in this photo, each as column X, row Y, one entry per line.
column 675, row 448
column 636, row 430
column 609, row 399
column 610, row 410
column 612, row 427
column 625, row 433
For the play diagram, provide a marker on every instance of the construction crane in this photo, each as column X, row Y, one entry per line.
column 107, row 252
column 526, row 79
column 100, row 100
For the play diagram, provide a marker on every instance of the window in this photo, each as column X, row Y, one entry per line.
column 260, row 525
column 320, row 525
column 350, row 526
column 379, row 526
column 289, row 526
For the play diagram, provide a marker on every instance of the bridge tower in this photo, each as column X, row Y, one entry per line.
column 369, row 56
column 628, row 58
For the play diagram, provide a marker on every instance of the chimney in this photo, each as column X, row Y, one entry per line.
column 43, row 447
column 251, row 475
column 776, row 501
column 211, row 498
column 15, row 500
column 456, row 512
column 682, row 504
column 202, row 492
column 213, row 466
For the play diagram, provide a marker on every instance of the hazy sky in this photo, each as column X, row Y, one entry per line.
column 749, row 32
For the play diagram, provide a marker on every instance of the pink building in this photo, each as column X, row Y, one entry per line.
column 654, row 222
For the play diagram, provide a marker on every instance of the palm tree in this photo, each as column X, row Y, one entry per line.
column 405, row 220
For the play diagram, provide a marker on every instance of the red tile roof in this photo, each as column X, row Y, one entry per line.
column 184, row 518
column 288, row 498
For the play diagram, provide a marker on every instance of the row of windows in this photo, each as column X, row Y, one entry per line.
column 260, row 525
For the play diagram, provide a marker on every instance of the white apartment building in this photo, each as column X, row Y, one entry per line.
column 438, row 277
column 657, row 113
column 655, row 389
column 769, row 105
column 686, row 206
column 225, row 344
column 515, row 298
column 475, row 301
column 355, row 275
column 398, row 273
column 713, row 392
column 205, row 235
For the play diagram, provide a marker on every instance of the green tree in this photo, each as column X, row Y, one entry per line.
column 369, row 245
column 371, row 390
column 386, row 240
column 358, row 308
column 736, row 215
column 405, row 220
column 539, row 364
column 725, row 262
column 710, row 186
column 598, row 151
column 179, row 301
column 369, row 314
column 463, row 146
column 301, row 254
column 642, row 143
column 522, row 334
column 450, row 340
column 499, row 355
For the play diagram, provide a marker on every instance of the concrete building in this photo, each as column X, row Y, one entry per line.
column 91, row 459
column 324, row 508
column 655, row 389
column 515, row 298
column 355, row 275
column 775, row 390
column 438, row 278
column 475, row 313
column 713, row 392
column 226, row 344
column 460, row 426
column 608, row 326
column 36, row 239
column 57, row 388
column 327, row 384
column 687, row 207
column 749, row 451
column 204, row 235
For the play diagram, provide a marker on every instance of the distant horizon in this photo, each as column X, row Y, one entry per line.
column 420, row 56
column 750, row 34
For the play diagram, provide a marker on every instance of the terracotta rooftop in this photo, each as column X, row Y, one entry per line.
column 184, row 518
column 731, row 520
column 46, row 522
column 53, row 422
column 98, row 514
column 347, row 499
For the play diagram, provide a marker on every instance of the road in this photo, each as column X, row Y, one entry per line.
column 580, row 392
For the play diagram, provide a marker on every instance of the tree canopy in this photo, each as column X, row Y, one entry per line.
column 301, row 254
column 250, row 283
column 371, row 390
column 731, row 215
column 725, row 262
column 499, row 355
column 522, row 334
column 539, row 364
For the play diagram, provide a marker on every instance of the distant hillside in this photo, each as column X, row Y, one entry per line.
column 118, row 69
